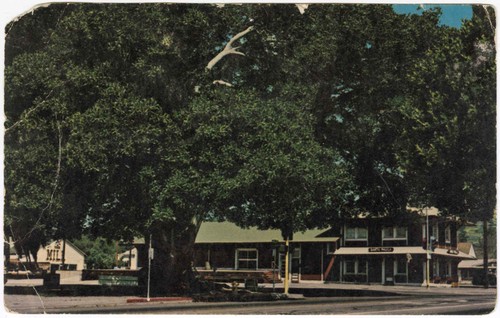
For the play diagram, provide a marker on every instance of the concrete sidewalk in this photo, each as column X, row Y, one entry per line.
column 404, row 289
column 440, row 289
column 39, row 282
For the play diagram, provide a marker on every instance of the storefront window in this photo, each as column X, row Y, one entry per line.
column 350, row 267
column 357, row 266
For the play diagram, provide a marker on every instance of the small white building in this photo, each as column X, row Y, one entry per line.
column 130, row 258
column 74, row 258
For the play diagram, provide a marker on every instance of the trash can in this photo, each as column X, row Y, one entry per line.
column 51, row 280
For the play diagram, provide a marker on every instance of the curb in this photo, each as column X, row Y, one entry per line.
column 145, row 300
column 155, row 307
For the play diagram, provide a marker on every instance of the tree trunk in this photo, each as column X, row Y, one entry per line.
column 485, row 253
column 171, row 267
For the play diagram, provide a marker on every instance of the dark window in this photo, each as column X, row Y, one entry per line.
column 247, row 258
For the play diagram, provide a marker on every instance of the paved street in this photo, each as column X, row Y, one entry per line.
column 403, row 300
column 360, row 306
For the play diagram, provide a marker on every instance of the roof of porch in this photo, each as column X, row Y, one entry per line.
column 227, row 232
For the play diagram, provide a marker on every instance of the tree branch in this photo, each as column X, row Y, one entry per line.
column 55, row 184
column 228, row 49
column 221, row 82
column 29, row 112
column 485, row 7
column 302, row 7
column 389, row 189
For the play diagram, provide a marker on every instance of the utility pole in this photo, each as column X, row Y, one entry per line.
column 150, row 256
column 428, row 258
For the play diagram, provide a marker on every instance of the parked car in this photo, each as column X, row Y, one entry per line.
column 478, row 279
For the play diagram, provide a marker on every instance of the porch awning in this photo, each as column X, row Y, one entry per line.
column 380, row 250
column 477, row 264
column 400, row 250
column 452, row 253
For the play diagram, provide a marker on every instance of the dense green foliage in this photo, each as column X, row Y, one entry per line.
column 262, row 154
column 449, row 124
column 116, row 127
column 99, row 252
column 475, row 235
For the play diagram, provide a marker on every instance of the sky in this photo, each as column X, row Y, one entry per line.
column 452, row 15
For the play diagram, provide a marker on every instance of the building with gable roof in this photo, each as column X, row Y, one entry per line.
column 74, row 258
column 233, row 250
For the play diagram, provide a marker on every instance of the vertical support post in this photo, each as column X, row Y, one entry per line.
column 149, row 265
column 300, row 261
column 367, row 268
column 383, row 270
column 322, row 268
column 116, row 254
column 485, row 253
column 287, row 253
column 407, row 271
column 275, row 252
column 130, row 257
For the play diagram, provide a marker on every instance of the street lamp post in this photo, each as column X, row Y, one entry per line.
column 427, row 269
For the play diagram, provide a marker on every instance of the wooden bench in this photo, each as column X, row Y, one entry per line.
column 115, row 280
column 94, row 274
